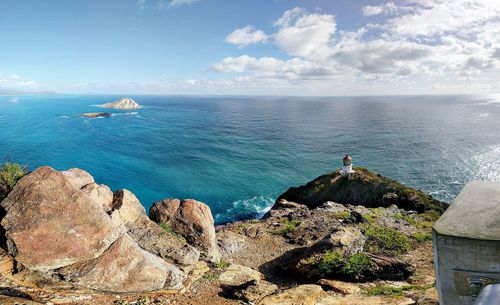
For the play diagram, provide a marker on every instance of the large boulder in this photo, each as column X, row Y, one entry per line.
column 128, row 212
column 125, row 267
column 191, row 219
column 54, row 226
column 83, row 181
column 50, row 224
column 300, row 295
column 360, row 188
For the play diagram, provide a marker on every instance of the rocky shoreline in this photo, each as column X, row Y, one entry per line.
column 361, row 239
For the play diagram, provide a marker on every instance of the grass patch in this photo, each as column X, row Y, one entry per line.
column 221, row 264
column 356, row 264
column 395, row 291
column 341, row 214
column 386, row 240
column 406, row 218
column 169, row 230
column 422, row 236
column 10, row 173
column 289, row 226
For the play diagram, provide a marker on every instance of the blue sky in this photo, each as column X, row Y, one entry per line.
column 282, row 47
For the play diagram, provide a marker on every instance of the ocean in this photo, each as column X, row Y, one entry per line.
column 237, row 154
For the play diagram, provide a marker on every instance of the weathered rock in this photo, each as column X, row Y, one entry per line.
column 83, row 181
column 388, row 268
column 101, row 194
column 253, row 292
column 300, row 295
column 93, row 115
column 339, row 287
column 128, row 212
column 348, row 239
column 199, row 270
column 193, row 220
column 125, row 267
column 8, row 300
column 237, row 275
column 430, row 297
column 361, row 188
column 363, row 300
column 50, row 224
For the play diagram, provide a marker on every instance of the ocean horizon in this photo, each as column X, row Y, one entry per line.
column 238, row 153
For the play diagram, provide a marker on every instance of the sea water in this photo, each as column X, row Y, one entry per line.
column 237, row 154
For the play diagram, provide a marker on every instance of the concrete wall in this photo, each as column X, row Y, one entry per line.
column 463, row 265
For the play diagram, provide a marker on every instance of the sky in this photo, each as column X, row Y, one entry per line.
column 253, row 47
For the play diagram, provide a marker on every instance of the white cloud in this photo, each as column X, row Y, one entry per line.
column 177, row 3
column 246, row 36
column 418, row 44
column 165, row 4
column 303, row 34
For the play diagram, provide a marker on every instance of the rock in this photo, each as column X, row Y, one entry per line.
column 339, row 287
column 45, row 208
column 193, row 220
column 126, row 208
column 389, row 268
column 53, row 227
column 348, row 239
column 129, row 213
column 199, row 270
column 430, row 297
column 100, row 193
column 94, row 115
column 230, row 243
column 237, row 275
column 253, row 292
column 300, row 295
column 123, row 103
column 361, row 188
column 285, row 204
column 83, row 181
column 364, row 300
column 8, row 300
column 125, row 267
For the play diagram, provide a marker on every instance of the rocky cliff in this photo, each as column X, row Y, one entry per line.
column 123, row 103
column 363, row 239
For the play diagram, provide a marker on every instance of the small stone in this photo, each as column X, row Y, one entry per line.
column 300, row 295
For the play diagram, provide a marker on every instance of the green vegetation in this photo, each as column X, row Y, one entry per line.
column 289, row 226
column 395, row 291
column 386, row 240
column 333, row 262
column 422, row 236
column 169, row 230
column 221, row 264
column 406, row 218
column 10, row 173
column 341, row 214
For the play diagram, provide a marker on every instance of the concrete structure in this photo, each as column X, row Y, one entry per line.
column 467, row 244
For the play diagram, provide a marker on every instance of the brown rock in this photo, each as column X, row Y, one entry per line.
column 100, row 193
column 252, row 292
column 339, row 287
column 125, row 267
column 78, row 177
column 237, row 275
column 364, row 300
column 430, row 297
column 8, row 300
column 193, row 220
column 126, row 208
column 49, row 224
column 300, row 295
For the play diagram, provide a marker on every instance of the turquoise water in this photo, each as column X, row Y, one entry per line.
column 237, row 154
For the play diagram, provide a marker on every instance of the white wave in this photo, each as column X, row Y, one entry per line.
column 254, row 207
column 64, row 116
column 14, row 100
column 125, row 113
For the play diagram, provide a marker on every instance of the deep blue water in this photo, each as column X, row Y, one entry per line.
column 237, row 154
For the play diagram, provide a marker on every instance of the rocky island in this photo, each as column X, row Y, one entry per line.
column 123, row 104
column 94, row 115
column 338, row 240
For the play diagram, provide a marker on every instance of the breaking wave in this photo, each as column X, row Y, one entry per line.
column 244, row 209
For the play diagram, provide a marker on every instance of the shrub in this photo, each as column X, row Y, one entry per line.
column 422, row 236
column 388, row 291
column 10, row 173
column 331, row 261
column 384, row 239
column 356, row 264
